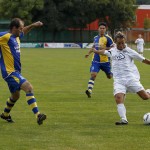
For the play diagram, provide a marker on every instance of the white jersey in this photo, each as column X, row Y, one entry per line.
column 123, row 66
column 139, row 42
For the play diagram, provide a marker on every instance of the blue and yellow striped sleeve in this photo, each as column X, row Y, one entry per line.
column 109, row 41
column 4, row 39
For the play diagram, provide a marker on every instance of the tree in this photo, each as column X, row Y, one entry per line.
column 118, row 14
column 19, row 8
column 60, row 15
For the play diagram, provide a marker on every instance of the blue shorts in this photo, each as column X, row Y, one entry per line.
column 14, row 81
column 96, row 67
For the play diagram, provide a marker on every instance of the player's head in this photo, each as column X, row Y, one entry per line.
column 139, row 35
column 16, row 26
column 120, row 40
column 102, row 28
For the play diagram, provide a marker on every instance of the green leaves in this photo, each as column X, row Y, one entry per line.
column 19, row 8
column 60, row 15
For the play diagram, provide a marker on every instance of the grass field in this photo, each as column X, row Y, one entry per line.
column 74, row 122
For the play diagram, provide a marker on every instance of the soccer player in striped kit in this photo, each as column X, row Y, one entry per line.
column 11, row 68
column 99, row 62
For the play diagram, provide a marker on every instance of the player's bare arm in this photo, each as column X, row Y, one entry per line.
column 26, row 29
column 88, row 54
column 146, row 61
column 101, row 52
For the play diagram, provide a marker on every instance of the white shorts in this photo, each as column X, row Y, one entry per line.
column 140, row 49
column 124, row 86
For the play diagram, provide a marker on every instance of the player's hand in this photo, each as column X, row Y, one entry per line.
column 87, row 55
column 37, row 24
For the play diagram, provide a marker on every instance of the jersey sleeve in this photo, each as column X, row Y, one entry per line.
column 21, row 35
column 4, row 39
column 108, row 53
column 136, row 55
column 109, row 42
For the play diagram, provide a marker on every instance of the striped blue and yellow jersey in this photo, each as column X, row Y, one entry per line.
column 10, row 53
column 101, row 41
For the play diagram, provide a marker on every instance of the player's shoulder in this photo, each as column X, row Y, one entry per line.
column 129, row 50
column 97, row 36
column 113, row 49
column 5, row 34
column 109, row 38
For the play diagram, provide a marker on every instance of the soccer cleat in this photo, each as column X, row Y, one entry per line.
column 88, row 93
column 41, row 118
column 122, row 122
column 8, row 118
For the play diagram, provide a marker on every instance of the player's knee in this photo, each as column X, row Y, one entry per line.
column 118, row 99
column 93, row 76
column 15, row 97
column 30, row 90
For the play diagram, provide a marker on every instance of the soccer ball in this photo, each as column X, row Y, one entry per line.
column 146, row 118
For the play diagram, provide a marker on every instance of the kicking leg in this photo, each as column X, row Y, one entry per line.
column 27, row 87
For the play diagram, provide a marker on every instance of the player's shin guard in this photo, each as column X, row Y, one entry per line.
column 32, row 102
column 122, row 111
column 9, row 105
column 90, row 85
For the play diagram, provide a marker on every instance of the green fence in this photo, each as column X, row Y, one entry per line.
column 60, row 36
column 42, row 35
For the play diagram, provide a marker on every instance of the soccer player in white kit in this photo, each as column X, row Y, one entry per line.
column 125, row 74
column 140, row 44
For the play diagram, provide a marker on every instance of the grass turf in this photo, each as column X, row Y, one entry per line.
column 74, row 122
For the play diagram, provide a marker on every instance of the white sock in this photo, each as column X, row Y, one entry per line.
column 122, row 111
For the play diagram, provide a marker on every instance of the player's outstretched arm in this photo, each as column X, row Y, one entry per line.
column 88, row 54
column 146, row 61
column 26, row 29
column 101, row 52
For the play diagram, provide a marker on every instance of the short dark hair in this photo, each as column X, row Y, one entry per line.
column 103, row 24
column 15, row 23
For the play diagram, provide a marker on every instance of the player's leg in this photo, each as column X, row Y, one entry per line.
column 140, row 50
column 106, row 67
column 137, row 87
column 14, row 88
column 121, row 109
column 119, row 94
column 95, row 67
column 31, row 100
column 144, row 94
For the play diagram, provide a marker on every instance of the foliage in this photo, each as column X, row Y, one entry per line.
column 59, row 15
column 119, row 14
column 147, row 23
column 19, row 8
